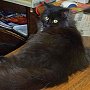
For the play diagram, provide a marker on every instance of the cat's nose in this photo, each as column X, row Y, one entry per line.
column 46, row 25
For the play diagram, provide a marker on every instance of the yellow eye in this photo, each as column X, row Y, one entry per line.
column 46, row 18
column 55, row 21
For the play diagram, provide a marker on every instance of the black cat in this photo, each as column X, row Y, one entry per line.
column 48, row 57
column 56, row 16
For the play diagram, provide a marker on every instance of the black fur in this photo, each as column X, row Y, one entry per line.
column 52, row 13
column 46, row 59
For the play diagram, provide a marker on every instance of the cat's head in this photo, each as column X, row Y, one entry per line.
column 55, row 15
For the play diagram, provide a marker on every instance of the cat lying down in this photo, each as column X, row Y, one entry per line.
column 47, row 58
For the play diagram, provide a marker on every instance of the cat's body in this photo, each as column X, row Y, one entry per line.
column 47, row 58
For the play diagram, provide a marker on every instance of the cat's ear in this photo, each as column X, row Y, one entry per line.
column 63, row 12
column 48, row 5
column 64, row 9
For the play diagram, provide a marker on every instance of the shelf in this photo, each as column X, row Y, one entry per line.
column 27, row 3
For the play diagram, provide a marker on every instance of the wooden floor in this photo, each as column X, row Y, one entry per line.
column 78, row 81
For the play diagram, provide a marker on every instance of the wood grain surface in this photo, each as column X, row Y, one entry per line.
column 78, row 81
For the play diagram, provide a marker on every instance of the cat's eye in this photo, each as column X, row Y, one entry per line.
column 46, row 18
column 55, row 21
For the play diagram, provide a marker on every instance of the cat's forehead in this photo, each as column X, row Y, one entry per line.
column 50, row 8
column 55, row 10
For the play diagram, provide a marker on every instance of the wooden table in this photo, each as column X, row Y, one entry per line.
column 28, row 4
